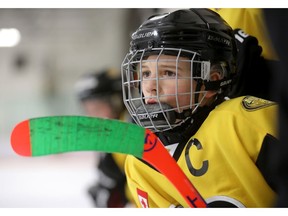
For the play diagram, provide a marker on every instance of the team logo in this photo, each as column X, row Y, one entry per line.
column 251, row 103
column 150, row 141
column 143, row 198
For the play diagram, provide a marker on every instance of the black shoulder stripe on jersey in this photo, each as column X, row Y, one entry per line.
column 146, row 163
column 266, row 161
column 179, row 150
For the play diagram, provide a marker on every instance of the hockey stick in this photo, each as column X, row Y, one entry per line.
column 60, row 134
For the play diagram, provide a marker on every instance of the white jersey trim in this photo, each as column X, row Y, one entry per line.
column 226, row 199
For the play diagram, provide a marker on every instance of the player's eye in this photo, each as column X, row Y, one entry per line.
column 170, row 74
column 146, row 74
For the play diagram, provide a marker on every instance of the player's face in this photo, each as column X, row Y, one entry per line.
column 167, row 81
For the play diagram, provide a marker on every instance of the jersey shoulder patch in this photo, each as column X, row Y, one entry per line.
column 251, row 103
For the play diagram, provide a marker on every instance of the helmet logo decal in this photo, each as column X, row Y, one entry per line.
column 144, row 35
column 225, row 82
column 219, row 40
column 146, row 116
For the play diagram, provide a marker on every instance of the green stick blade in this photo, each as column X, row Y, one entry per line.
column 60, row 134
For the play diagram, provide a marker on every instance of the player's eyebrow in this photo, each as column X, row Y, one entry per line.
column 164, row 64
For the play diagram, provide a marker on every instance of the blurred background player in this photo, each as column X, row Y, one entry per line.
column 100, row 95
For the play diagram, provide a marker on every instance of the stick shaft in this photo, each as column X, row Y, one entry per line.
column 156, row 154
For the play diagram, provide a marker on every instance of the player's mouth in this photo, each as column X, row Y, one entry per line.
column 151, row 101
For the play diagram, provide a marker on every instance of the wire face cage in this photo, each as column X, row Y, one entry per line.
column 160, row 109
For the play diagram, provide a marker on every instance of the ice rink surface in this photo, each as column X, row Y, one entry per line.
column 56, row 181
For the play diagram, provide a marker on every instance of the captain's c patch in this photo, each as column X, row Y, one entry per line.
column 251, row 103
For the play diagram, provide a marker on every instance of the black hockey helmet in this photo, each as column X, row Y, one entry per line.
column 98, row 84
column 203, row 37
column 200, row 30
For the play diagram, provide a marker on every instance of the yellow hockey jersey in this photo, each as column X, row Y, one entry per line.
column 223, row 159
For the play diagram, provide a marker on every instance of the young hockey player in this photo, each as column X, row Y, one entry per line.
column 100, row 95
column 176, row 79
